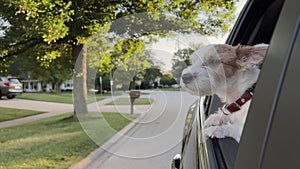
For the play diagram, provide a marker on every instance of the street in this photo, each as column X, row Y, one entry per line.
column 152, row 142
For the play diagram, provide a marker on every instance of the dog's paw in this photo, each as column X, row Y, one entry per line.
column 214, row 120
column 215, row 132
column 234, row 131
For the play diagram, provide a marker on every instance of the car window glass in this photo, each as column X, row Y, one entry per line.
column 15, row 81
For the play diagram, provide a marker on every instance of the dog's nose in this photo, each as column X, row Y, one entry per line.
column 187, row 78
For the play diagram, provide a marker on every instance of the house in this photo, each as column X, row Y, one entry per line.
column 67, row 85
column 38, row 86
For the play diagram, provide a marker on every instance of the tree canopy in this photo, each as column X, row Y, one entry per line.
column 44, row 29
column 72, row 22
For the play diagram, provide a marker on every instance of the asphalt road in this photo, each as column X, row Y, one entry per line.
column 152, row 142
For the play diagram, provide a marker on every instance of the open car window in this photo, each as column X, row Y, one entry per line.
column 255, row 25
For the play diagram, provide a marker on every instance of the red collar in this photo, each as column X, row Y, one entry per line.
column 236, row 106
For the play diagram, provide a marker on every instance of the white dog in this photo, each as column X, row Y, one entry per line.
column 230, row 72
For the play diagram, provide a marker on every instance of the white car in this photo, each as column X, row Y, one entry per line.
column 10, row 87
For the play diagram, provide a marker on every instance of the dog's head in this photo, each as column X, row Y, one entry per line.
column 215, row 67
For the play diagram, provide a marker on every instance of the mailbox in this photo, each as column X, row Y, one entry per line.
column 134, row 94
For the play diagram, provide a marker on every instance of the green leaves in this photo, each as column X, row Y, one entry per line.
column 36, row 24
column 50, row 17
column 122, row 53
column 48, row 58
column 60, row 21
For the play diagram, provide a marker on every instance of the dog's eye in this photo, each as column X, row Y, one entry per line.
column 215, row 62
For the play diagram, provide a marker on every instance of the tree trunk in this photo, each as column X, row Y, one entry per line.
column 79, row 53
column 57, row 87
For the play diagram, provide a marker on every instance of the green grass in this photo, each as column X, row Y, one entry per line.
column 126, row 101
column 11, row 114
column 53, row 97
column 117, row 120
column 116, row 93
column 56, row 142
column 170, row 89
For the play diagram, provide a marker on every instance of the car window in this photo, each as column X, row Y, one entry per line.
column 259, row 25
column 255, row 26
column 3, row 79
column 15, row 81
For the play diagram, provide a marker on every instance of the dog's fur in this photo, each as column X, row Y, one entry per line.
column 227, row 71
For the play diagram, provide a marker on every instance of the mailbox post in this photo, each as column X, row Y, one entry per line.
column 134, row 94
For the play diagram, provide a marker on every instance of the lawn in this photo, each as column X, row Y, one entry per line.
column 57, row 98
column 11, row 114
column 170, row 89
column 56, row 142
column 126, row 101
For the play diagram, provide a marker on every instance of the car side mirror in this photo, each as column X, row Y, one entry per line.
column 176, row 161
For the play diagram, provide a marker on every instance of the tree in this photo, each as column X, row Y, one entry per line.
column 181, row 60
column 130, row 70
column 167, row 79
column 70, row 23
column 56, row 71
column 119, row 57
column 150, row 76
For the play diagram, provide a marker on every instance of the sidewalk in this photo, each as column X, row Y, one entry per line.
column 50, row 109
column 53, row 109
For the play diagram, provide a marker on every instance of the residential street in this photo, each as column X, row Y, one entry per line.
column 148, row 142
column 152, row 142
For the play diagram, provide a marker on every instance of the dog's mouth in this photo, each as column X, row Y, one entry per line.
column 194, row 90
column 190, row 88
column 190, row 83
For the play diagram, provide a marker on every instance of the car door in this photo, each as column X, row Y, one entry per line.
column 271, row 133
column 274, row 22
column 255, row 25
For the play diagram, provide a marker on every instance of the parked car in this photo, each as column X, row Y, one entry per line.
column 10, row 87
column 270, row 138
column 4, row 86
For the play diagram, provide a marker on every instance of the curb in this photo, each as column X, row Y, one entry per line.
column 101, row 154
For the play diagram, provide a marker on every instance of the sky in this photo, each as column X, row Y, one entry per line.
column 163, row 50
column 4, row 24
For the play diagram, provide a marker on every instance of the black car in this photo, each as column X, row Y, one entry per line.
column 271, row 135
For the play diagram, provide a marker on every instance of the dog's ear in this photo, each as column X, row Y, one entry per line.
column 251, row 56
